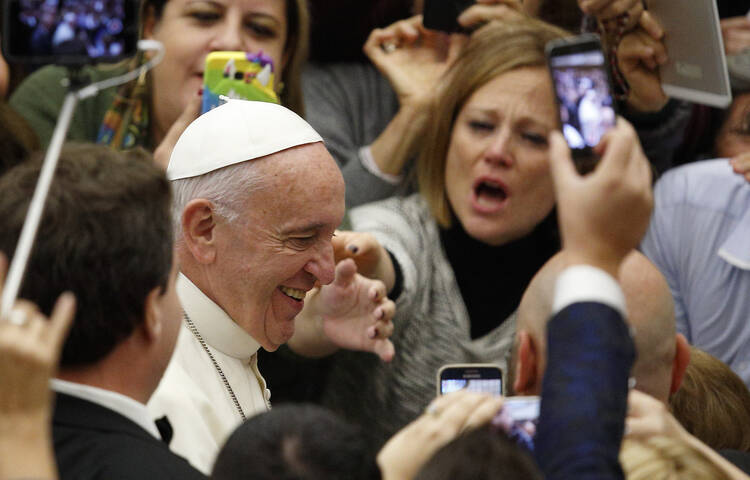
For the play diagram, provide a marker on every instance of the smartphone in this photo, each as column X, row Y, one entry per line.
column 518, row 419
column 582, row 84
column 443, row 14
column 474, row 377
column 71, row 32
column 243, row 75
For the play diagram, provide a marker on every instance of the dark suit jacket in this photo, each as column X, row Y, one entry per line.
column 584, row 393
column 93, row 442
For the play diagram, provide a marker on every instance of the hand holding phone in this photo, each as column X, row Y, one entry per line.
column 584, row 95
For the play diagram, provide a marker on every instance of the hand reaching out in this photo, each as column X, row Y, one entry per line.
column 412, row 58
column 356, row 312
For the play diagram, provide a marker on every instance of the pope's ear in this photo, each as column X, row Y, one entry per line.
column 198, row 229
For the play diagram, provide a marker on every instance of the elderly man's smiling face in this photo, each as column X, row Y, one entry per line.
column 281, row 243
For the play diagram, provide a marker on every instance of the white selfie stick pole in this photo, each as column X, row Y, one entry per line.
column 36, row 208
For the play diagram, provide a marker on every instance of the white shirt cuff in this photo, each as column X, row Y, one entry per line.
column 365, row 156
column 584, row 283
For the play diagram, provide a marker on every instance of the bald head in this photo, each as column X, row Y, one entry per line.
column 650, row 313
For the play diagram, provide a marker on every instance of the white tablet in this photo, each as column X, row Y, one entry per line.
column 697, row 67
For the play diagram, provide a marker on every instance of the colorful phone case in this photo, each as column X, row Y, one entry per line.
column 247, row 76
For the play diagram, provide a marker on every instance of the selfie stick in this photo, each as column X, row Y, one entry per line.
column 36, row 208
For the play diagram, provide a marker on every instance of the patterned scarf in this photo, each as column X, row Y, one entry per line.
column 125, row 124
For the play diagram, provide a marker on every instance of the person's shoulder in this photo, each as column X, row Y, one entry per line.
column 411, row 207
column 708, row 184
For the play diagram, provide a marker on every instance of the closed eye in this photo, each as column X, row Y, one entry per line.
column 535, row 139
column 481, row 126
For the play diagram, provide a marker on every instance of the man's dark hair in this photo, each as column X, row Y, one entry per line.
column 296, row 442
column 105, row 235
column 482, row 454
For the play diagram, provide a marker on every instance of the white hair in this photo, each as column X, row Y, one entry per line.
column 228, row 190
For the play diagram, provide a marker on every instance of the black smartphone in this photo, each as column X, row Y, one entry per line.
column 443, row 14
column 582, row 83
column 474, row 377
column 69, row 32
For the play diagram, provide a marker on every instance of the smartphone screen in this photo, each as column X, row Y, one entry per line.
column 71, row 32
column 582, row 87
column 480, row 378
column 518, row 419
column 238, row 75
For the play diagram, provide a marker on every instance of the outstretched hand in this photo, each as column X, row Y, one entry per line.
column 412, row 58
column 603, row 215
column 356, row 312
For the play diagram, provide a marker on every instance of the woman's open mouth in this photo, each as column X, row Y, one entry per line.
column 489, row 195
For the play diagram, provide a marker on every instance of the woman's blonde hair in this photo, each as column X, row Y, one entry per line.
column 713, row 403
column 493, row 50
column 295, row 49
column 665, row 458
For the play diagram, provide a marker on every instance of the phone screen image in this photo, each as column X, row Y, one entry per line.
column 79, row 31
column 518, row 419
column 490, row 386
column 587, row 108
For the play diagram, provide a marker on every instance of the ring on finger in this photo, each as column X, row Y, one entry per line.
column 18, row 317
column 388, row 47
column 432, row 410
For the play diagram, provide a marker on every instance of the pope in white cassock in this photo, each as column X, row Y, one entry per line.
column 257, row 198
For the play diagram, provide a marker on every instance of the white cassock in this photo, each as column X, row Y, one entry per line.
column 193, row 395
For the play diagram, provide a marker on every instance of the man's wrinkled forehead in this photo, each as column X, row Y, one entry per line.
column 236, row 132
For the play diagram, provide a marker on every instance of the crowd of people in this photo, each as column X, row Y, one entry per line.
column 417, row 208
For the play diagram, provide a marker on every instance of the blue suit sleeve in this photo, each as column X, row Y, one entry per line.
column 584, row 393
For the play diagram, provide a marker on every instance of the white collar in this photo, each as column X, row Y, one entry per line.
column 214, row 325
column 125, row 406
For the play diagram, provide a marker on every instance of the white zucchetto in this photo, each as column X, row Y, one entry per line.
column 238, row 131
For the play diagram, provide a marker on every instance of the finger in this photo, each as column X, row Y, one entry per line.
column 480, row 14
column 592, row 7
column 561, row 164
column 455, row 415
column 456, row 44
column 377, row 291
column 651, row 26
column 60, row 320
column 617, row 148
column 345, row 272
column 385, row 350
column 632, row 7
column 741, row 163
column 387, row 310
column 484, row 412
column 735, row 22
